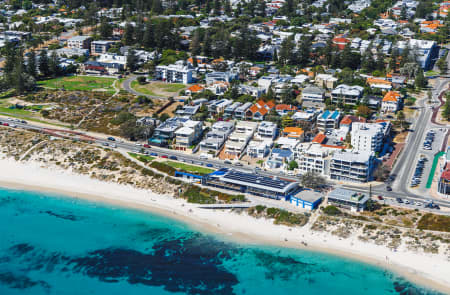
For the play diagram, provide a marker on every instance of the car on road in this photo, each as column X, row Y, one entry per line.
column 154, row 154
column 138, row 144
column 13, row 125
column 24, row 122
column 399, row 200
column 111, row 138
column 227, row 162
column 105, row 144
column 147, row 146
column 407, row 201
column 164, row 156
column 380, row 198
column 113, row 145
column 389, row 189
column 5, row 124
column 238, row 164
column 418, row 204
column 173, row 158
column 209, row 165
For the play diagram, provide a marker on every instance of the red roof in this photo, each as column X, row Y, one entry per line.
column 319, row 138
column 446, row 175
column 285, row 107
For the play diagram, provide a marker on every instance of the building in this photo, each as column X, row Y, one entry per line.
column 325, row 81
column 348, row 199
column 279, row 158
column 313, row 94
column 378, row 83
column 238, row 140
column 100, row 47
column 215, row 139
column 284, row 109
column 187, row 135
column 218, row 106
column 175, row 73
column 293, row 132
column 240, row 112
column 112, row 62
column 390, row 102
column 425, row 51
column 259, row 110
column 165, row 132
column 307, row 199
column 328, row 120
column 210, row 78
column 188, row 111
column 346, row 94
column 267, row 130
column 352, row 166
column 314, row 158
column 80, row 42
column 251, row 183
column 367, row 136
column 230, row 109
column 259, row 148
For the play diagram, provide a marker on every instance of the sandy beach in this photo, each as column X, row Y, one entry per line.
column 431, row 270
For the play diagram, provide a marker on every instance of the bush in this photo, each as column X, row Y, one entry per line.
column 141, row 80
column 434, row 222
column 332, row 210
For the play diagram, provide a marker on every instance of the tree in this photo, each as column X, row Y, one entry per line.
column 312, row 180
column 420, row 80
column 132, row 60
column 442, row 65
column 43, row 63
column 446, row 111
column 363, row 111
column 157, row 7
column 105, row 29
column 128, row 35
column 401, row 118
column 293, row 165
column 53, row 64
column 31, row 64
column 149, row 36
column 286, row 121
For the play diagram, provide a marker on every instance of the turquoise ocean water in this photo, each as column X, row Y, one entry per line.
column 56, row 245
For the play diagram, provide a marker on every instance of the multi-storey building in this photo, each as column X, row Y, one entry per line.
column 176, row 73
column 367, row 136
column 267, row 129
column 352, row 166
column 347, row 94
column 80, row 42
column 187, row 135
column 328, row 120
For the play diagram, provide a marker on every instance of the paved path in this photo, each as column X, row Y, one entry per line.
column 31, row 149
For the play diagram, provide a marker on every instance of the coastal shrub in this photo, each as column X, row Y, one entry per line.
column 163, row 168
column 434, row 222
column 280, row 216
column 332, row 210
column 260, row 208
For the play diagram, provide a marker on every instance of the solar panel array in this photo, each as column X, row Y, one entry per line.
column 256, row 179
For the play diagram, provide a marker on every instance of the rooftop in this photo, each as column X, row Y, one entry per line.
column 348, row 196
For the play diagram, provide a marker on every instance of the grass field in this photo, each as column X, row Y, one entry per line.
column 80, row 83
column 158, row 88
column 142, row 158
column 189, row 168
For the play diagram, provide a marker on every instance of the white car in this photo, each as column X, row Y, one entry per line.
column 418, row 204
column 138, row 144
column 406, row 201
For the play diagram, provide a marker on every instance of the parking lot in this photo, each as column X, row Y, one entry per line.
column 407, row 203
column 430, row 145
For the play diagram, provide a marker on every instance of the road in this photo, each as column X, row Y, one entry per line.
column 217, row 164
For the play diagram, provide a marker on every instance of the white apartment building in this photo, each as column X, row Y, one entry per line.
column 352, row 166
column 367, row 136
column 347, row 94
column 313, row 94
column 258, row 148
column 187, row 135
column 176, row 73
column 238, row 140
column 314, row 158
column 328, row 120
column 240, row 112
column 79, row 42
column 267, row 130
column 216, row 138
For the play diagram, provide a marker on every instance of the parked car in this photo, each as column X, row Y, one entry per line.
column 389, row 189
column 154, row 154
column 380, row 198
column 164, row 156
column 111, row 138
column 227, row 162
column 173, row 158
column 5, row 124
column 209, row 165
column 399, row 200
column 147, row 146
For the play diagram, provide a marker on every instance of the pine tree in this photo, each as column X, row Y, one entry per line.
column 31, row 64
column 132, row 60
column 53, row 64
column 157, row 7
column 43, row 63
column 149, row 37
column 195, row 44
column 128, row 35
column 420, row 80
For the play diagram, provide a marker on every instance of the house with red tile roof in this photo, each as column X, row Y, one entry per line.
column 195, row 89
column 260, row 109
column 284, row 109
column 390, row 102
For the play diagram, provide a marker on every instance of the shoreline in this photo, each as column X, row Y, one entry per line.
column 234, row 227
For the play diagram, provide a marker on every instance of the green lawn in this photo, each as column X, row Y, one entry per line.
column 80, row 83
column 158, row 88
column 189, row 168
column 142, row 158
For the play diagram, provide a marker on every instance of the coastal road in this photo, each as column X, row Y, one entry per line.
column 217, row 164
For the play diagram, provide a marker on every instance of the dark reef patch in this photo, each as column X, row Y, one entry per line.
column 20, row 282
column 70, row 217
